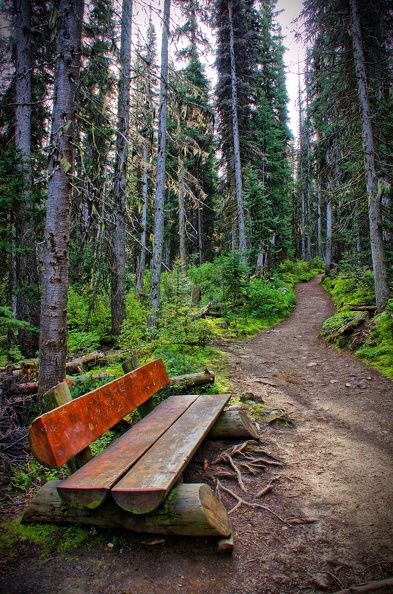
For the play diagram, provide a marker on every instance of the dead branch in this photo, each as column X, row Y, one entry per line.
column 265, row 491
column 371, row 587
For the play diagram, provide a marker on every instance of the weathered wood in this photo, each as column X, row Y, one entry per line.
column 233, row 424
column 354, row 323
column 225, row 545
column 90, row 485
column 189, row 510
column 193, row 379
column 59, row 434
column 25, row 388
column 53, row 398
column 148, row 482
column 77, row 365
column 129, row 365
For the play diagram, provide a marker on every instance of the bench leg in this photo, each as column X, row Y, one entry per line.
column 189, row 510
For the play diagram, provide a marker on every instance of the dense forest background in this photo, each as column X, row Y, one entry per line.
column 136, row 195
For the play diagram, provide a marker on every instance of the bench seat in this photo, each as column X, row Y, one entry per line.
column 90, row 485
column 148, row 482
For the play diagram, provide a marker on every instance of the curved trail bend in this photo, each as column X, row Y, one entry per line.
column 337, row 470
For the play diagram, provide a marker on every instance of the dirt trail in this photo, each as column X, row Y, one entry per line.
column 337, row 470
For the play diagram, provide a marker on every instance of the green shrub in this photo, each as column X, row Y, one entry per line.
column 208, row 278
column 133, row 330
column 266, row 300
column 295, row 271
column 82, row 342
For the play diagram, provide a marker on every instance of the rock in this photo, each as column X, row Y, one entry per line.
column 312, row 364
column 362, row 384
column 247, row 396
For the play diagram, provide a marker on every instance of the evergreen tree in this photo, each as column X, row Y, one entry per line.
column 53, row 336
column 356, row 69
column 118, row 231
column 237, row 47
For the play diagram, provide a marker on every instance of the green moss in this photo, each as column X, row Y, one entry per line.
column 377, row 347
column 47, row 537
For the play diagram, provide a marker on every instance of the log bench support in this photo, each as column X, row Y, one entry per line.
column 136, row 482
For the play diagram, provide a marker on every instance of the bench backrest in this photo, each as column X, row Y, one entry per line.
column 61, row 433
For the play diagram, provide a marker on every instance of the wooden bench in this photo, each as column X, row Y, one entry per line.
column 134, row 475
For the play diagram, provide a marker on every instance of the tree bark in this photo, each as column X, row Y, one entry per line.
column 374, row 211
column 159, row 214
column 26, row 272
column 234, row 424
column 145, row 201
column 236, row 142
column 118, row 298
column 53, row 339
column 189, row 510
column 192, row 379
column 182, row 220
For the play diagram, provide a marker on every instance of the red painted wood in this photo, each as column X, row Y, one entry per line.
column 58, row 435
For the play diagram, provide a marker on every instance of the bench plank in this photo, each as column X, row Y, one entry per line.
column 59, row 434
column 145, row 486
column 90, row 485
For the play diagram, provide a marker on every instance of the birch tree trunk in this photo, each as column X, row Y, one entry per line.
column 159, row 214
column 53, row 338
column 236, row 143
column 118, row 299
column 26, row 273
column 374, row 210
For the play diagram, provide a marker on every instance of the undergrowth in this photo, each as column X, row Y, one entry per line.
column 373, row 340
column 238, row 304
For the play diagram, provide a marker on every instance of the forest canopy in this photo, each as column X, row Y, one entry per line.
column 134, row 191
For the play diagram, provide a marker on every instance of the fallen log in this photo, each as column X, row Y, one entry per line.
column 233, row 424
column 189, row 510
column 192, row 379
column 203, row 310
column 76, row 365
column 354, row 323
column 25, row 388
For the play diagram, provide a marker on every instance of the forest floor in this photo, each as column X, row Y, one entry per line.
column 333, row 496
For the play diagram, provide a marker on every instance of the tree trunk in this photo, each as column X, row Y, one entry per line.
column 145, row 202
column 159, row 214
column 236, row 142
column 26, row 272
column 319, row 219
column 118, row 299
column 182, row 220
column 189, row 510
column 375, row 216
column 53, row 339
column 328, row 250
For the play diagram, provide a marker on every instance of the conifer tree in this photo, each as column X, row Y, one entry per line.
column 53, row 335
column 118, row 244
